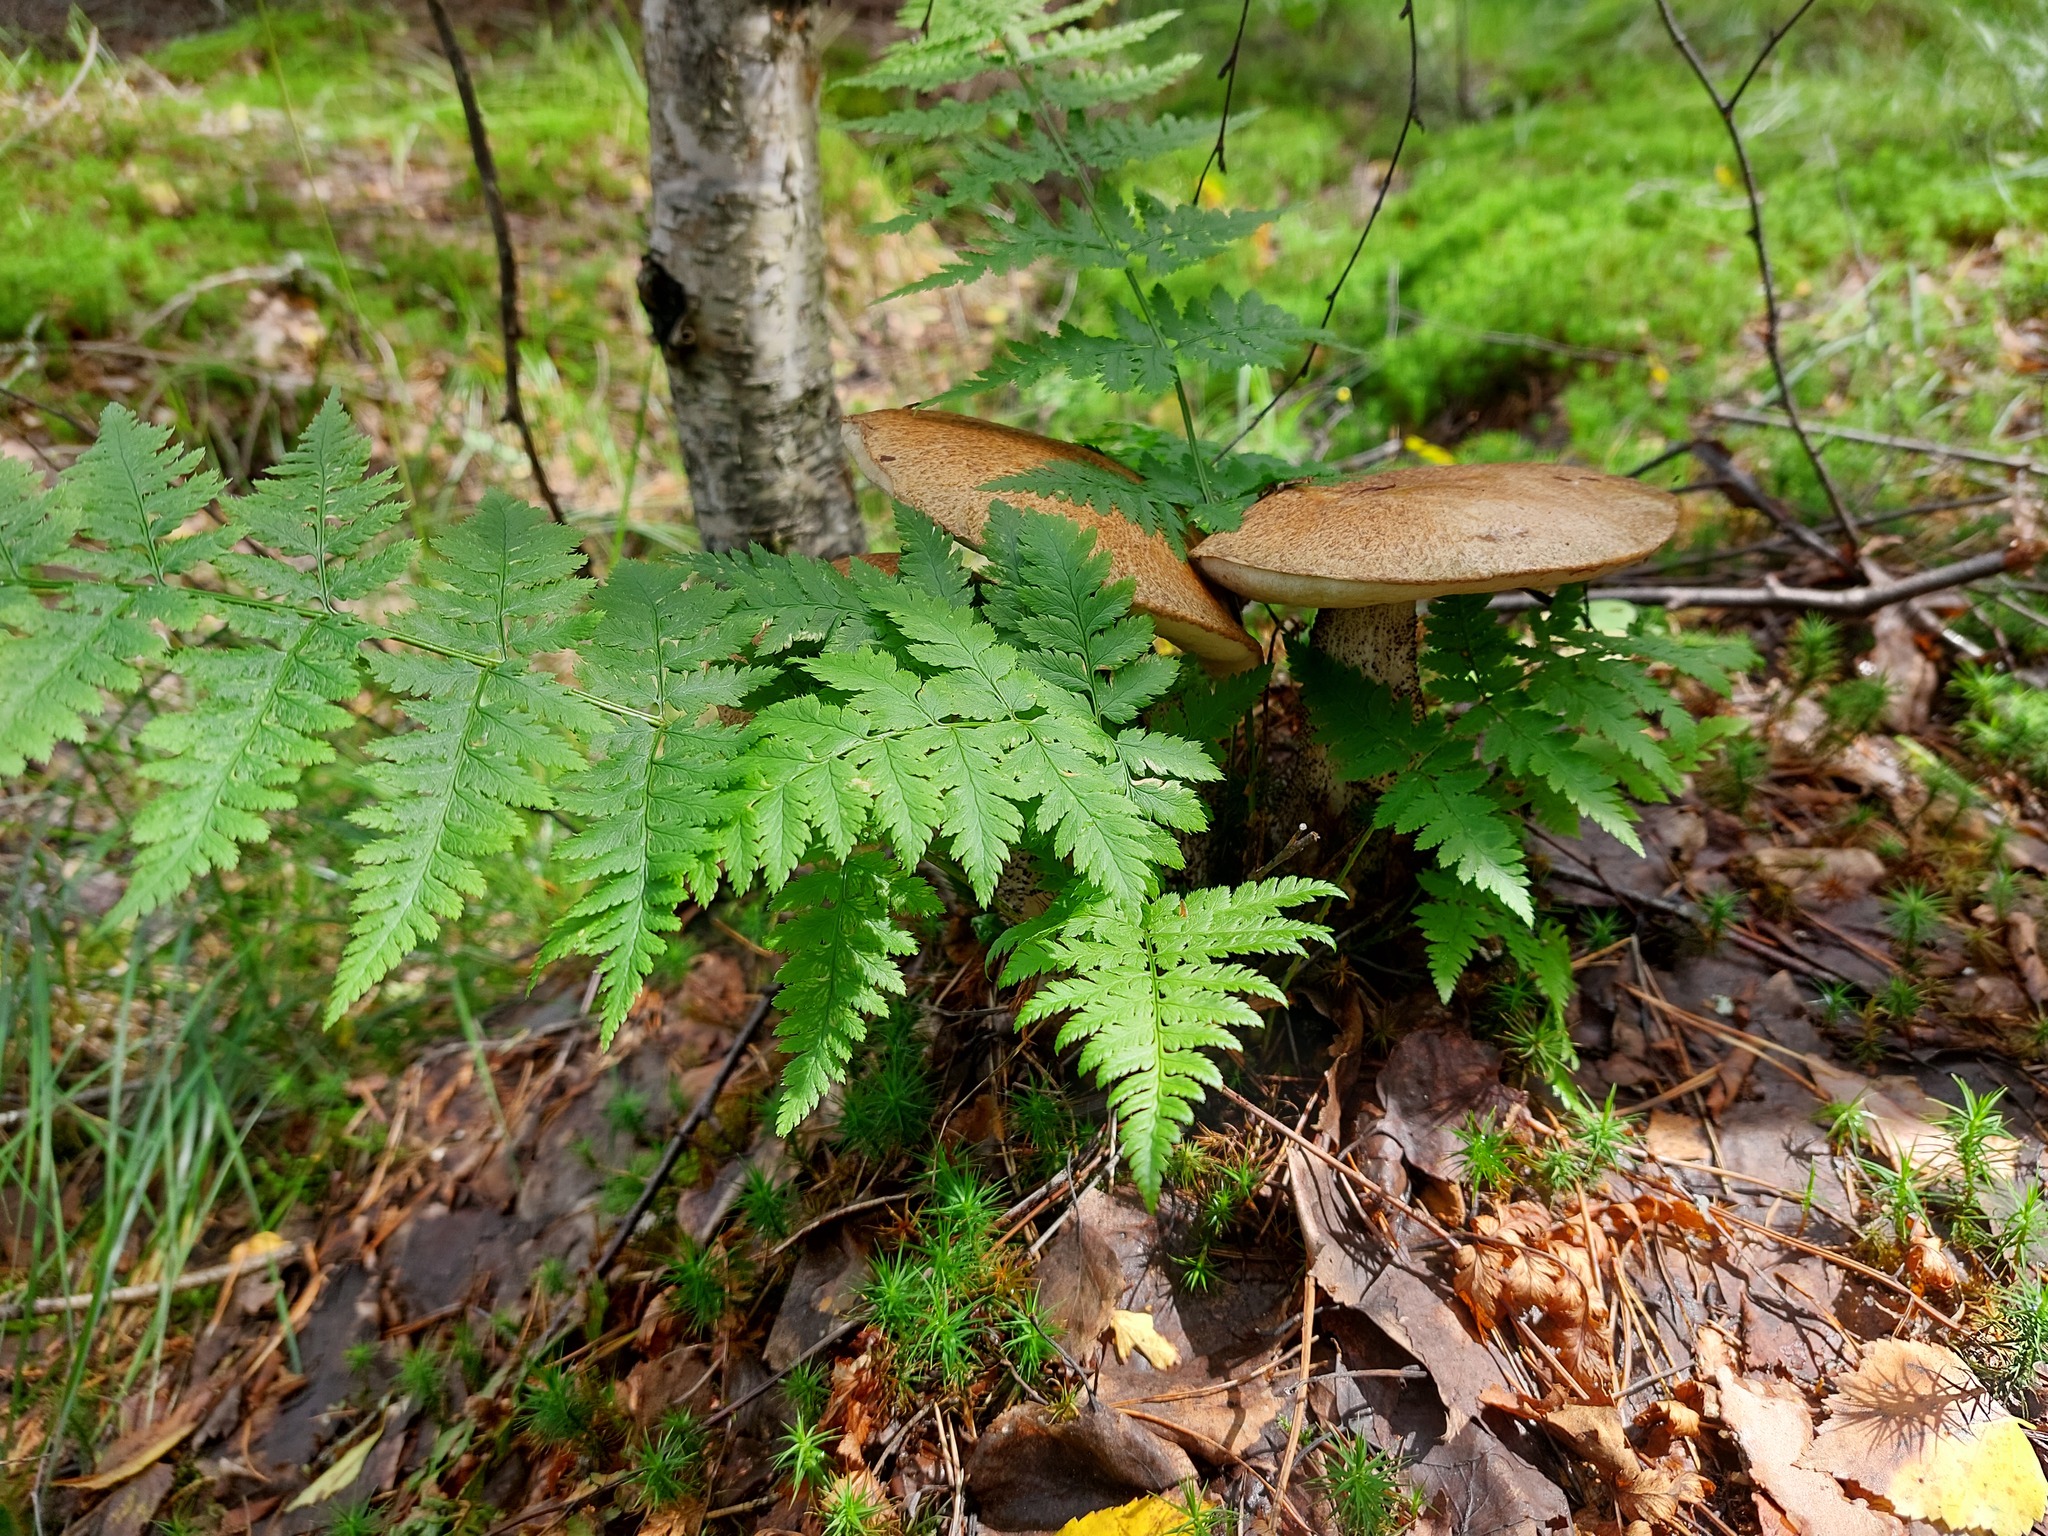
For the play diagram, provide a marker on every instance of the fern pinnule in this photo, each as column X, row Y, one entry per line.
column 322, row 507
column 134, row 491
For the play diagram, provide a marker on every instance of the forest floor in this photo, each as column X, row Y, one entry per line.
column 1786, row 1281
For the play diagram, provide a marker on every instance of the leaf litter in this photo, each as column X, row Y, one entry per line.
column 1722, row 1282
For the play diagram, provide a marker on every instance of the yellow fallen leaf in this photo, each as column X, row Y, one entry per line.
column 348, row 1466
column 258, row 1247
column 1427, row 451
column 1912, row 1426
column 1134, row 1330
column 1149, row 1516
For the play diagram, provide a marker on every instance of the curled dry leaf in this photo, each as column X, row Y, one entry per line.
column 1928, row 1265
column 1532, row 1271
column 1644, row 1490
column 1912, row 1426
column 1135, row 1330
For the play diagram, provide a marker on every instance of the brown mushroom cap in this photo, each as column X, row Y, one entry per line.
column 888, row 562
column 1416, row 533
column 937, row 462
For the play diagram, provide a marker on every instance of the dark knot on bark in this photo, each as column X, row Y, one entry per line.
column 667, row 308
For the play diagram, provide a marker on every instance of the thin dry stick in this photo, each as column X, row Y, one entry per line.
column 501, row 232
column 1308, row 1342
column 1410, row 119
column 1726, row 106
column 1228, row 75
column 191, row 1280
column 1770, row 593
column 1886, row 440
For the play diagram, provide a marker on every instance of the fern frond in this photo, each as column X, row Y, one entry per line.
column 1457, row 919
column 931, row 561
column 1088, row 484
column 35, row 528
column 501, row 585
column 58, row 666
column 841, row 941
column 796, row 600
column 1155, row 988
column 1450, row 807
column 1053, row 600
column 259, row 709
column 659, row 803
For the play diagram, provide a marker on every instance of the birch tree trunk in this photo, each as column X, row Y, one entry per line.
column 734, row 279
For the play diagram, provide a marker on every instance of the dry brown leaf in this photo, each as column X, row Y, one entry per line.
column 1911, row 1425
column 1134, row 1330
column 141, row 1450
column 1770, row 1422
column 1643, row 1490
column 1542, row 1276
column 1676, row 1138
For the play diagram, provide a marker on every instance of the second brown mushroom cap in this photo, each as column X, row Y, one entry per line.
column 1366, row 551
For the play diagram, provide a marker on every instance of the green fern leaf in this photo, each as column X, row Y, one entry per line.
column 134, row 491
column 1448, row 807
column 258, row 718
column 500, row 585
column 794, row 599
column 1088, row 484
column 659, row 804
column 931, row 561
column 1155, row 988
column 1368, row 733
column 259, row 709
column 841, row 941
column 321, row 515
column 57, row 667
column 1053, row 600
column 35, row 529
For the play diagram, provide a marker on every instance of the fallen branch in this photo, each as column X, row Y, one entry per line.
column 121, row 1295
column 1771, row 593
column 501, row 232
column 1884, row 440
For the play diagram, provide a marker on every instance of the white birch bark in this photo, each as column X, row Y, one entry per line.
column 734, row 280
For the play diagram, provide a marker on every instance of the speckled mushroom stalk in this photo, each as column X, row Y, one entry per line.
column 938, row 463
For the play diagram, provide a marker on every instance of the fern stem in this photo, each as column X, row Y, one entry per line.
column 371, row 631
column 1079, row 172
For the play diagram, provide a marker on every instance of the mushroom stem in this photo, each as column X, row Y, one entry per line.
column 1382, row 641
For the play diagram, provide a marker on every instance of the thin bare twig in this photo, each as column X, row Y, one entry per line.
column 1410, row 119
column 76, row 423
column 1725, row 107
column 681, row 1139
column 1770, row 593
column 1886, row 440
column 501, row 232
column 1228, row 75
